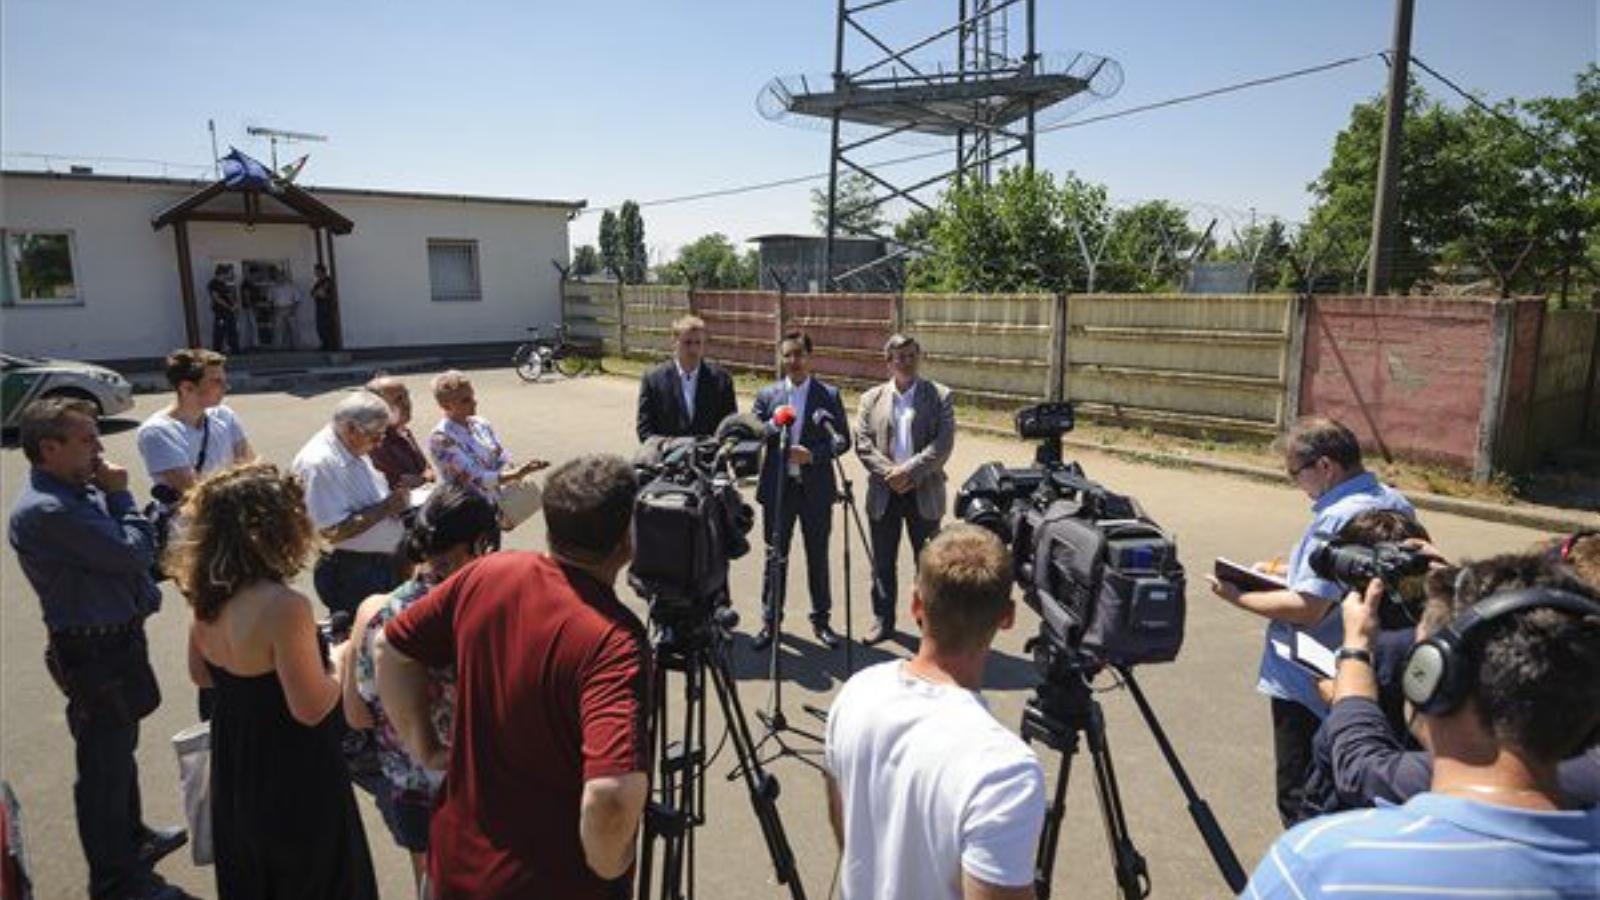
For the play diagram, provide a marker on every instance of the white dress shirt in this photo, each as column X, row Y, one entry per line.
column 905, row 412
column 689, row 381
column 339, row 484
column 797, row 399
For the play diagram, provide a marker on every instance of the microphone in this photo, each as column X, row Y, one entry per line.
column 783, row 416
column 824, row 419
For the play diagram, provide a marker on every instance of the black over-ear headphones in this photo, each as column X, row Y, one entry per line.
column 1439, row 670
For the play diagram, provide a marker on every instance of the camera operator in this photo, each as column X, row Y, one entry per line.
column 1323, row 458
column 685, row 396
column 928, row 795
column 1367, row 755
column 546, row 766
column 806, row 480
column 1505, row 681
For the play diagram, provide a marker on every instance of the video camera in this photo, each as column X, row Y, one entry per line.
column 1400, row 568
column 689, row 521
column 1102, row 576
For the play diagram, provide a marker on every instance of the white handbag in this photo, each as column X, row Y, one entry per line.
column 519, row 501
column 193, row 746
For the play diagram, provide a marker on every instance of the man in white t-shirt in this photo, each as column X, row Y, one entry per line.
column 929, row 796
column 194, row 435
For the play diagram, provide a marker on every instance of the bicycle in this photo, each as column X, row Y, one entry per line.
column 535, row 357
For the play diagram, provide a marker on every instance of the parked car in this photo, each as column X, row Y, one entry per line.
column 24, row 379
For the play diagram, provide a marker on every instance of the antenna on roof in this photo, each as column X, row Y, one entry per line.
column 274, row 135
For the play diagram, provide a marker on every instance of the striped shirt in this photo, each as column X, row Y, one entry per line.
column 1435, row 846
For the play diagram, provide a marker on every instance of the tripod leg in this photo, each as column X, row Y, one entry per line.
column 762, row 787
column 1133, row 877
column 1044, row 862
column 1199, row 811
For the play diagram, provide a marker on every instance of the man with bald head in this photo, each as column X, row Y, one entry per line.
column 398, row 457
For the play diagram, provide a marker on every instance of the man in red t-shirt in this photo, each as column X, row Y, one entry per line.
column 546, row 766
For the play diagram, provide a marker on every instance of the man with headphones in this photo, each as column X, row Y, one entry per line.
column 1503, row 684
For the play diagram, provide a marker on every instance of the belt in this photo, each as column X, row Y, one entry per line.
column 97, row 631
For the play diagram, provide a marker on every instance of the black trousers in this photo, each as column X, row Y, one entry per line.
column 103, row 716
column 1293, row 727
column 224, row 330
column 326, row 336
column 901, row 514
column 816, row 525
column 343, row 579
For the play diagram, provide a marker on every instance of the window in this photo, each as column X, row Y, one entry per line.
column 453, row 270
column 39, row 268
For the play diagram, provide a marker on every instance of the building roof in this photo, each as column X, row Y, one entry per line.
column 838, row 238
column 197, row 184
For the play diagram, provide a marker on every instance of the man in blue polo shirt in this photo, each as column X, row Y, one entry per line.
column 1494, row 822
column 1323, row 458
column 87, row 552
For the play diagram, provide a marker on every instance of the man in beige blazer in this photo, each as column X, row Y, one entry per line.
column 905, row 431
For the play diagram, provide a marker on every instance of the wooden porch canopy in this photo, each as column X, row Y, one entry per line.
column 244, row 205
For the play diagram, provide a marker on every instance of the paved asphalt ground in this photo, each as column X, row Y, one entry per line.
column 1206, row 699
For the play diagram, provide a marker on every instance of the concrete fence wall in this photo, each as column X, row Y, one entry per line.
column 1482, row 385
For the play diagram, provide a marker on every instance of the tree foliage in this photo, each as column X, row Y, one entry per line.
column 610, row 244
column 856, row 211
column 585, row 261
column 1503, row 195
column 711, row 262
column 634, row 258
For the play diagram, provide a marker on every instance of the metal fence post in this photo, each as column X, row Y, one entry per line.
column 622, row 320
column 1057, row 388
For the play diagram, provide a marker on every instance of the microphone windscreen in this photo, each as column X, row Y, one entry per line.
column 783, row 416
column 740, row 427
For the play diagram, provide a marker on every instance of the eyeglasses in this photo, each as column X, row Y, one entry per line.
column 1294, row 471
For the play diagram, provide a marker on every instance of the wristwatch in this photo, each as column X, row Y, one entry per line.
column 1345, row 653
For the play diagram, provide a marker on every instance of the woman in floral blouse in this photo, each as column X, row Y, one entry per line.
column 464, row 447
column 453, row 528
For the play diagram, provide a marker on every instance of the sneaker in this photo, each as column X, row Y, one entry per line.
column 881, row 630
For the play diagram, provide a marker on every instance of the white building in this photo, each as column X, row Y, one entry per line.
column 93, row 262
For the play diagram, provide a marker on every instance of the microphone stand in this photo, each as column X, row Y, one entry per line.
column 772, row 718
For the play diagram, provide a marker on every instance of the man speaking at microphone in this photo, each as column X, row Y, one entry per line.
column 808, row 418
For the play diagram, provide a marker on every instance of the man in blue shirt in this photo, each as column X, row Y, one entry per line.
column 1323, row 458
column 87, row 552
column 1494, row 822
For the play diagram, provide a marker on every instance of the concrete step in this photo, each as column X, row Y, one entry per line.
column 286, row 371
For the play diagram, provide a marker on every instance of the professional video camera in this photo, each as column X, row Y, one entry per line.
column 689, row 520
column 1400, row 568
column 1104, row 578
column 1109, row 590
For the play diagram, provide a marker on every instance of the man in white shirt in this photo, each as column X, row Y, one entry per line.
column 928, row 795
column 194, row 435
column 686, row 396
column 351, row 504
column 905, row 432
column 285, row 299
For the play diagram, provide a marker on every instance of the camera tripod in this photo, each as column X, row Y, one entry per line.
column 699, row 649
column 1061, row 709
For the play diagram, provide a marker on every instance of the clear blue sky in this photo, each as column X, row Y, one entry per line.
column 612, row 99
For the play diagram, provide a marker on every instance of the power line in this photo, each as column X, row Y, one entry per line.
column 1148, row 107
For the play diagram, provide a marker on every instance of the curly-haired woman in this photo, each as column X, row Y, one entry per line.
column 284, row 817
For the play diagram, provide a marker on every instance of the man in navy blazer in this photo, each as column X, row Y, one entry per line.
column 685, row 396
column 806, row 479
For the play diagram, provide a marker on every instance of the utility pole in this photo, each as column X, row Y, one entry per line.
column 1386, row 205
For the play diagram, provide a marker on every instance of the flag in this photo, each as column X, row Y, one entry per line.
column 287, row 173
column 240, row 170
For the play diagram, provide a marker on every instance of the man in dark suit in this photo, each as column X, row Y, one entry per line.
column 905, row 432
column 685, row 396
column 805, row 479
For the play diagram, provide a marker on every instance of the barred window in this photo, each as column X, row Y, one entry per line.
column 453, row 270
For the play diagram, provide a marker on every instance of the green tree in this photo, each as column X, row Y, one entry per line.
column 610, row 244
column 712, row 262
column 585, row 261
column 1569, row 141
column 856, row 211
column 1147, row 249
column 1266, row 246
column 635, row 259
